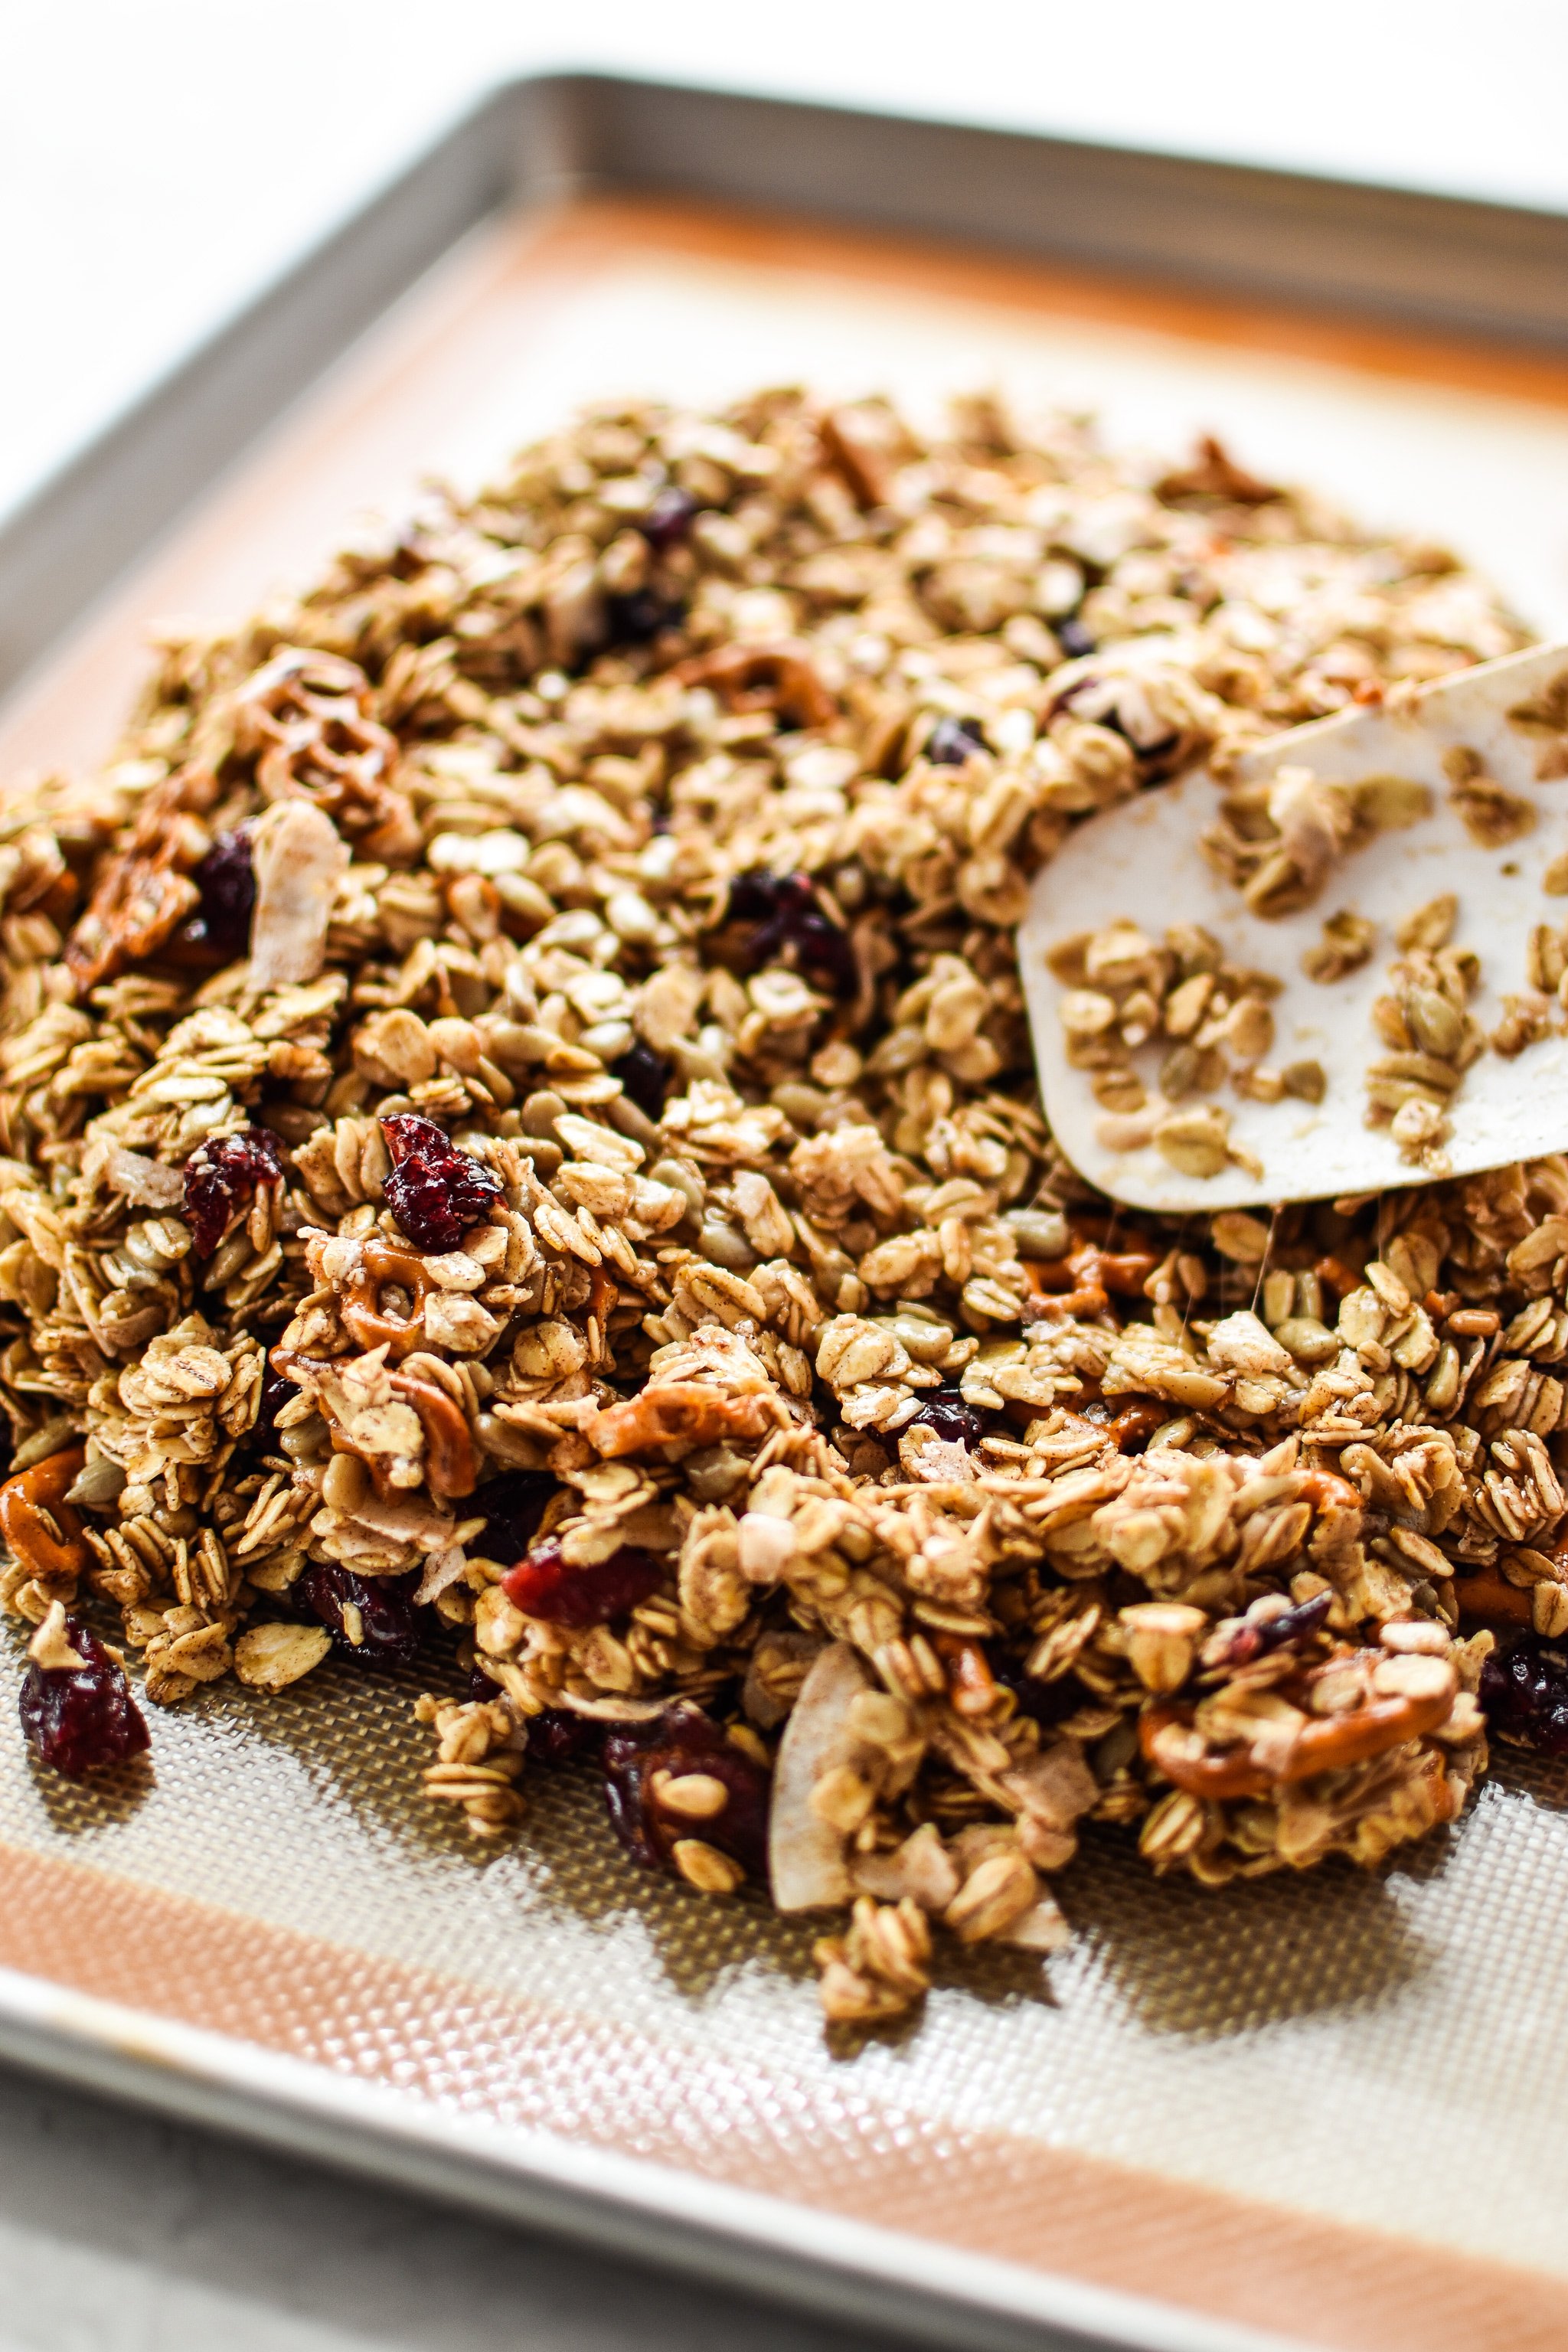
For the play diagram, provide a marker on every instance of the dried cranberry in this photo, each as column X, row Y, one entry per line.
column 436, row 1193
column 953, row 740
column 228, row 883
column 644, row 1075
column 637, row 618
column 388, row 1621
column 684, row 1740
column 546, row 1585
column 221, row 1177
column 1047, row 1703
column 513, row 1505
column 1073, row 639
column 782, row 918
column 952, row 1417
column 276, row 1393
column 669, row 519
column 1525, row 1694
column 1259, row 1635
column 556, row 1734
column 79, row 1718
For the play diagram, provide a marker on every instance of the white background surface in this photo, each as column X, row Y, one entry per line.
column 160, row 160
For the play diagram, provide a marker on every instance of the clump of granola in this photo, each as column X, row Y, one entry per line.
column 1431, row 1035
column 627, row 1281
column 1124, row 990
column 1278, row 841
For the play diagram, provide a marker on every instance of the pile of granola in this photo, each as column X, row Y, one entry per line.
column 522, row 1156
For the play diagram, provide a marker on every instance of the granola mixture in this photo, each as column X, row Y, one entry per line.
column 522, row 1156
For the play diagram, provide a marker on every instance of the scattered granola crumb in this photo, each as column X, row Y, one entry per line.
column 1347, row 942
column 1125, row 991
column 1425, row 1020
column 1490, row 814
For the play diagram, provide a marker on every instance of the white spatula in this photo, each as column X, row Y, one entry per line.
column 1490, row 747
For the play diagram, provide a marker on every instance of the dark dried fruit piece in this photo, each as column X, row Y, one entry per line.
column 1259, row 1635
column 555, row 1735
column 226, row 880
column 513, row 1505
column 221, row 1178
column 387, row 1622
column 549, row 1586
column 276, row 1393
column 669, row 519
column 1073, row 639
column 646, row 1076
column 953, row 740
column 637, row 618
column 782, row 919
column 1047, row 1703
column 685, row 1740
column 1525, row 1694
column 952, row 1417
column 79, row 1720
column 436, row 1193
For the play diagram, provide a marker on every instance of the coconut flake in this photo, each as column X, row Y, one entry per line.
column 299, row 859
column 145, row 1184
column 443, row 1567
column 610, row 1710
column 406, row 1518
column 807, row 1855
column 1042, row 1927
column 921, row 1868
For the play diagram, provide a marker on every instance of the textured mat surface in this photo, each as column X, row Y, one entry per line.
column 1383, row 2052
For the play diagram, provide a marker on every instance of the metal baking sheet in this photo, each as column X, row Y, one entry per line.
column 1324, row 2112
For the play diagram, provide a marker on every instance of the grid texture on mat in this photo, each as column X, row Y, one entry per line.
column 1383, row 2053
column 1379, row 2050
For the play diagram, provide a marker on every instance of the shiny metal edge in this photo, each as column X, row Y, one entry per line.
column 1494, row 271
column 639, row 2208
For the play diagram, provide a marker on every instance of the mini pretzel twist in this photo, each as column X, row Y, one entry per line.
column 141, row 897
column 1487, row 1598
column 41, row 1531
column 450, row 1468
column 1325, row 1743
column 682, row 1412
column 1080, row 1284
column 386, row 1263
column 764, row 677
column 305, row 716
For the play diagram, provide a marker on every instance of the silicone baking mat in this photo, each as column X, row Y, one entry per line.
column 1326, row 2110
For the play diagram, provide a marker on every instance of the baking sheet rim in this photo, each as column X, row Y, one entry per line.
column 210, row 2078
column 816, row 2256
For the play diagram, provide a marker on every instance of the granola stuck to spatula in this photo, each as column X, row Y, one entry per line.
column 522, row 1159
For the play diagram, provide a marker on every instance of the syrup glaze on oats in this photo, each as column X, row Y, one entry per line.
column 657, row 1304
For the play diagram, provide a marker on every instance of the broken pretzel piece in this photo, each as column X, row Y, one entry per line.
column 682, row 1412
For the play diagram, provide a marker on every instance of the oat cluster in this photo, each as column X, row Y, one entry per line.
column 521, row 1154
column 1210, row 1015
